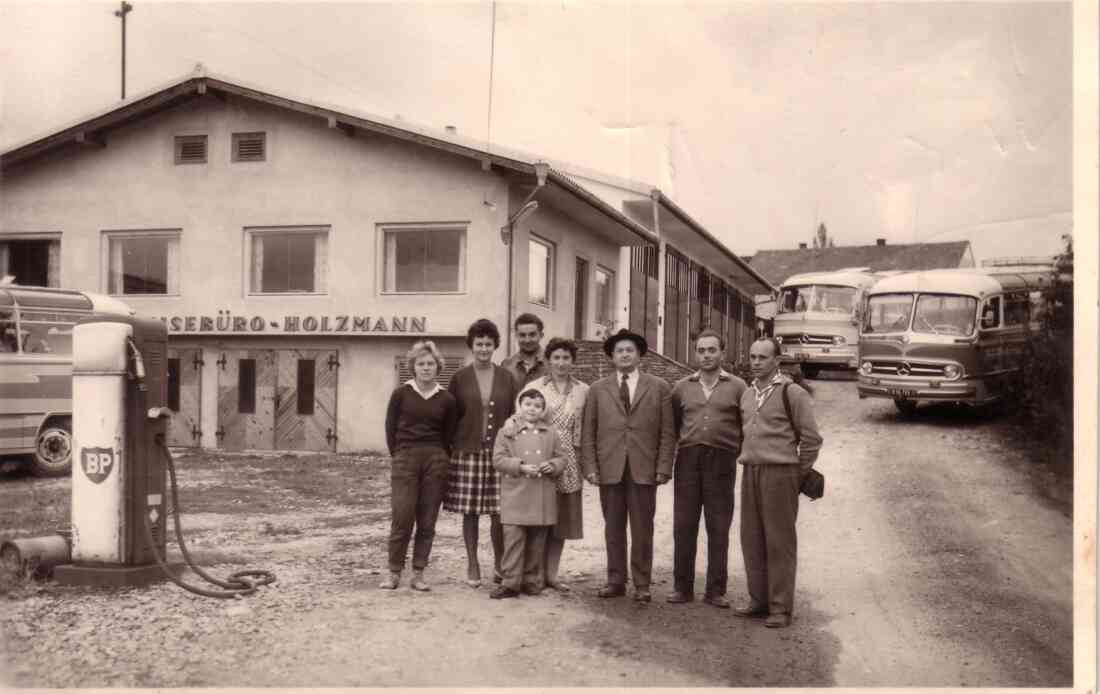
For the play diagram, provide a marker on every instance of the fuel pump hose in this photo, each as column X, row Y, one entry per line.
column 239, row 584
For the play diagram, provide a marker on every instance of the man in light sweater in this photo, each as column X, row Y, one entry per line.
column 773, row 469
column 706, row 410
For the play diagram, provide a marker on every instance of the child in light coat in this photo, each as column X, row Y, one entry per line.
column 529, row 455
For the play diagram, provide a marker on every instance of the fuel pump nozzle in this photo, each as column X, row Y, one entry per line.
column 139, row 364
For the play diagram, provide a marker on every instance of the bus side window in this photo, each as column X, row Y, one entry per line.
column 991, row 313
column 1017, row 309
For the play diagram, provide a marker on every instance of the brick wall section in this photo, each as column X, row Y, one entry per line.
column 593, row 364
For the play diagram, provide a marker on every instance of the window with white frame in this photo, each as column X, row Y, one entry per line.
column 605, row 297
column 143, row 262
column 540, row 271
column 33, row 259
column 287, row 260
column 424, row 259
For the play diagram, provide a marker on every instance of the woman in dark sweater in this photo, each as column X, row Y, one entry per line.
column 420, row 423
column 486, row 396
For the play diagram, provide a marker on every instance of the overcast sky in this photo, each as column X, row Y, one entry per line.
column 911, row 122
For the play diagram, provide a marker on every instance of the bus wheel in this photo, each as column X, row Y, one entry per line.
column 53, row 450
column 810, row 371
column 907, row 408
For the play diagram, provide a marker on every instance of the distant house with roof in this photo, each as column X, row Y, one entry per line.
column 777, row 265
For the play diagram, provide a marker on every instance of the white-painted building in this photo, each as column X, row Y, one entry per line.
column 296, row 251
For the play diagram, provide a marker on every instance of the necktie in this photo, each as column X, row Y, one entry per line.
column 624, row 394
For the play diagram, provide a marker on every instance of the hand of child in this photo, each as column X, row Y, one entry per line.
column 529, row 469
column 546, row 468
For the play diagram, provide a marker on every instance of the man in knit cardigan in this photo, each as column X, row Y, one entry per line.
column 773, row 469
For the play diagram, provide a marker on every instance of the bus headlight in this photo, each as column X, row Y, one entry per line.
column 952, row 372
column 839, row 340
column 865, row 368
column 779, row 339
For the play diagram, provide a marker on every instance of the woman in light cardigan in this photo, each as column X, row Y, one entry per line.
column 565, row 398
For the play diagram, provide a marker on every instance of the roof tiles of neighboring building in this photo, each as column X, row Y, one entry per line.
column 778, row 265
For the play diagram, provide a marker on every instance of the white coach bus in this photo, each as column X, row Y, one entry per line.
column 36, row 371
column 817, row 318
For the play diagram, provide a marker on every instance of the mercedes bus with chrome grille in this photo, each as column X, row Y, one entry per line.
column 817, row 318
column 956, row 336
column 36, row 372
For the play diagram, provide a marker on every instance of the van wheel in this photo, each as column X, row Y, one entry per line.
column 53, row 450
column 810, row 371
column 906, row 408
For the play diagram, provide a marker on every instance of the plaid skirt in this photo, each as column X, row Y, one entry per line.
column 473, row 484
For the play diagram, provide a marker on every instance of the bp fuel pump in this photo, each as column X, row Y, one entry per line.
column 120, row 510
column 118, row 473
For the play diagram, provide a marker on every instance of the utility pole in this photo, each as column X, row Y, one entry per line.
column 121, row 13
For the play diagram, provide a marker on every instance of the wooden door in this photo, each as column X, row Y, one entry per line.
column 246, row 399
column 305, row 401
column 185, row 397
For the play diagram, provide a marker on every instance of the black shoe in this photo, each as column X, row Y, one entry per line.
column 777, row 620
column 677, row 597
column 717, row 601
column 611, row 591
column 750, row 610
column 503, row 592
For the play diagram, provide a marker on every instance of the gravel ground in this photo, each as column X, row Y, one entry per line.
column 941, row 556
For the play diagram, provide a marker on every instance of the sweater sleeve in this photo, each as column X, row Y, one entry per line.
column 393, row 414
column 667, row 448
column 450, row 425
column 460, row 407
column 802, row 407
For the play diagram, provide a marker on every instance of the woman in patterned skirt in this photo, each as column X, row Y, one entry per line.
column 565, row 398
column 486, row 396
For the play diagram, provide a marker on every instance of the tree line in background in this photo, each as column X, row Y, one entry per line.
column 1045, row 392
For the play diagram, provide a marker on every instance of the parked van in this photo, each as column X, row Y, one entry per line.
column 36, row 371
column 954, row 335
column 817, row 318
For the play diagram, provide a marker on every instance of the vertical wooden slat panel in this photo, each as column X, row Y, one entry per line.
column 306, row 432
column 184, row 425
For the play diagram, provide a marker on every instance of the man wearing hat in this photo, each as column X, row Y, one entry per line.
column 627, row 445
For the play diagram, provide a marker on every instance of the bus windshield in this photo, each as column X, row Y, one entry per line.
column 945, row 314
column 828, row 298
column 888, row 313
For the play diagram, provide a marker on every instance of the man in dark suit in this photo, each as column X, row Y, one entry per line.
column 627, row 445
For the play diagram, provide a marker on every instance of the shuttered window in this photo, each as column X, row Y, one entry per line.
column 249, row 146
column 451, row 363
column 191, row 149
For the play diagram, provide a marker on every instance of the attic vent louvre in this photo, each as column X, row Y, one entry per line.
column 249, row 146
column 191, row 149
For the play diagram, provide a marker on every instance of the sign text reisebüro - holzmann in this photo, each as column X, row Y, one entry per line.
column 226, row 322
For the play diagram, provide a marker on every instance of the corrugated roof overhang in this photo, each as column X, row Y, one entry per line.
column 691, row 238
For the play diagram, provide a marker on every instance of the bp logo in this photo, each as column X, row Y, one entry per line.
column 97, row 463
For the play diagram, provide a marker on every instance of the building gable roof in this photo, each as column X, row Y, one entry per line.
column 778, row 265
column 96, row 129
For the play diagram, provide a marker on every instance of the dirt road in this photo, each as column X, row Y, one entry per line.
column 931, row 561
